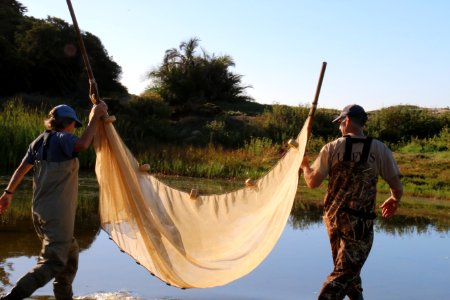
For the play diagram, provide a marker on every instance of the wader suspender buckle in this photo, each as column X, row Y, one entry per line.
column 349, row 141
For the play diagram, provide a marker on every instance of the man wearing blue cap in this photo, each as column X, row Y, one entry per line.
column 53, row 154
column 353, row 164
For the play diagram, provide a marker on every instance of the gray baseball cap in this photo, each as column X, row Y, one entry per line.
column 352, row 110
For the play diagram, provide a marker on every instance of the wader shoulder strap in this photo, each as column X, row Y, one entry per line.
column 43, row 139
column 349, row 141
column 348, row 148
column 46, row 140
column 37, row 144
column 366, row 149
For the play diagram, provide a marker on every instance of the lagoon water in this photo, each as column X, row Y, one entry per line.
column 408, row 262
column 407, row 266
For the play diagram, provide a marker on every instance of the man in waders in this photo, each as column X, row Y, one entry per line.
column 353, row 164
column 55, row 190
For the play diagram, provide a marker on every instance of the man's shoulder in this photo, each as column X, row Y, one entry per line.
column 339, row 145
column 378, row 144
column 334, row 143
column 37, row 141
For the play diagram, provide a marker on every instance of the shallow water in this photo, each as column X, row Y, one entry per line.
column 408, row 261
column 408, row 266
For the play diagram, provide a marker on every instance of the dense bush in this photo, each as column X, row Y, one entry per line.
column 437, row 143
column 399, row 124
column 144, row 120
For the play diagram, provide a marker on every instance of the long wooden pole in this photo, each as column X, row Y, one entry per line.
column 93, row 93
column 312, row 110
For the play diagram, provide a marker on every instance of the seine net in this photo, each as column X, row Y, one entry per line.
column 192, row 243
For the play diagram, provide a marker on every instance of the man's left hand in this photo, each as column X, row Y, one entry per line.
column 389, row 207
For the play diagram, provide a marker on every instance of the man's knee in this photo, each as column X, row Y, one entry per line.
column 56, row 254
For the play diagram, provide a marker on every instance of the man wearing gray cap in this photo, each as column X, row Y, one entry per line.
column 53, row 155
column 353, row 163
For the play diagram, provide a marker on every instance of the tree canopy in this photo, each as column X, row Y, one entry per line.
column 42, row 56
column 187, row 76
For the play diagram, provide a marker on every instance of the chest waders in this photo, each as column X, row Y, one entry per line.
column 349, row 211
column 55, row 193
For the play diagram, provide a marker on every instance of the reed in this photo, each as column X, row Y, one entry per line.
column 253, row 160
column 19, row 126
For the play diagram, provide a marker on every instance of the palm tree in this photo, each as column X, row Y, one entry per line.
column 187, row 77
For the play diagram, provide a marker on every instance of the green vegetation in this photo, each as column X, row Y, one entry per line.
column 42, row 56
column 253, row 160
column 18, row 127
column 398, row 125
column 427, row 177
column 186, row 78
column 195, row 119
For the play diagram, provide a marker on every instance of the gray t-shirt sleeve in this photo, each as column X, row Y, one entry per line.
column 322, row 164
column 388, row 167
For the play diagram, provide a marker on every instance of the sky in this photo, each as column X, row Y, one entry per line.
column 378, row 53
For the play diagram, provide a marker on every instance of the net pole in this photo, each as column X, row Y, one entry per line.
column 94, row 95
column 313, row 108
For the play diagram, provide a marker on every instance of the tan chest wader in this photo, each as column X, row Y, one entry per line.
column 349, row 211
column 55, row 192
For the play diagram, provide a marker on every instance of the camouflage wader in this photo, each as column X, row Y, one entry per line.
column 55, row 192
column 349, row 211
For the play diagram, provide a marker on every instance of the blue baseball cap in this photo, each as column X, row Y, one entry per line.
column 66, row 111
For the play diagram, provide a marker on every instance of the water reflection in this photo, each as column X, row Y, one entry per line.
column 304, row 215
column 18, row 240
column 21, row 240
column 17, row 235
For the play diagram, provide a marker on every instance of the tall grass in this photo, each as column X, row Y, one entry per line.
column 255, row 159
column 19, row 126
column 428, row 175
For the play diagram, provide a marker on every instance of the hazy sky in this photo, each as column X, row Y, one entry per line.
column 379, row 53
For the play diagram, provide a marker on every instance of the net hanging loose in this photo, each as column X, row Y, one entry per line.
column 192, row 243
column 203, row 242
column 195, row 241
